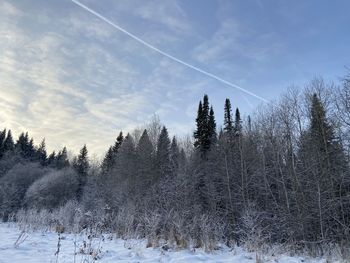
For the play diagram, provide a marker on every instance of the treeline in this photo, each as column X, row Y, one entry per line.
column 281, row 176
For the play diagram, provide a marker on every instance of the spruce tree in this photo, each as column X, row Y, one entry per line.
column 81, row 166
column 174, row 156
column 22, row 144
column 205, row 108
column 25, row 147
column 51, row 160
column 212, row 135
column 126, row 167
column 118, row 143
column 228, row 123
column 206, row 134
column 144, row 157
column 238, row 123
column 41, row 153
column 108, row 161
column 206, row 127
column 9, row 144
column 30, row 151
column 163, row 153
column 62, row 159
column 323, row 163
column 198, row 134
column 2, row 141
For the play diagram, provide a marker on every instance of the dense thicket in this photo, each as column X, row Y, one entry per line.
column 280, row 176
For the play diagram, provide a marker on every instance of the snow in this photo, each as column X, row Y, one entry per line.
column 41, row 247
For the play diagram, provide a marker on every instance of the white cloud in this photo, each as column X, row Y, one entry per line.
column 72, row 80
column 9, row 9
column 235, row 40
column 168, row 13
column 92, row 27
column 223, row 40
column 45, row 90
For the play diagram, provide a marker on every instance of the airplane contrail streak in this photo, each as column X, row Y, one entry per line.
column 228, row 83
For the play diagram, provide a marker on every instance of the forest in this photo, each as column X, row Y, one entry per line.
column 278, row 176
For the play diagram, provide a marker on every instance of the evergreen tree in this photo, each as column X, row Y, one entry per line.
column 163, row 153
column 212, row 135
column 206, row 126
column 25, row 147
column 323, row 162
column 228, row 123
column 238, row 123
column 81, row 166
column 22, row 144
column 174, row 155
column 205, row 108
column 126, row 167
column 41, row 153
column 109, row 161
column 144, row 157
column 198, row 134
column 206, row 134
column 9, row 144
column 126, row 158
column 118, row 143
column 30, row 151
column 51, row 160
column 2, row 141
column 62, row 159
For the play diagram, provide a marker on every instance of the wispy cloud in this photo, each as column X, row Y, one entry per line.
column 72, row 94
column 71, row 77
column 9, row 9
column 168, row 13
column 71, row 91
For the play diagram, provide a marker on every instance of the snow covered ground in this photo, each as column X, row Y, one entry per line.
column 42, row 247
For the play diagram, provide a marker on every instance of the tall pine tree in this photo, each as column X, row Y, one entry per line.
column 205, row 133
column 323, row 163
column 198, row 134
column 174, row 156
column 109, row 161
column 9, row 144
column 81, row 166
column 41, row 153
column 238, row 123
column 2, row 141
column 228, row 123
column 163, row 153
column 118, row 143
column 212, row 135
column 62, row 159
column 145, row 165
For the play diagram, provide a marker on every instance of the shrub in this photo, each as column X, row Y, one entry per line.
column 52, row 190
column 14, row 184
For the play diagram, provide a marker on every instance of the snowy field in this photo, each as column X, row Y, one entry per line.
column 42, row 247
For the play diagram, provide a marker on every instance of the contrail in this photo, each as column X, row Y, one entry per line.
column 247, row 101
column 166, row 54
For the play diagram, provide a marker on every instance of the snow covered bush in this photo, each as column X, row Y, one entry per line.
column 52, row 190
column 253, row 232
column 66, row 218
column 14, row 184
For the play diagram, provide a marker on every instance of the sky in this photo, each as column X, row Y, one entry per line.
column 72, row 78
